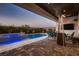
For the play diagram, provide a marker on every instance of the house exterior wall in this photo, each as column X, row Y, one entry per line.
column 68, row 21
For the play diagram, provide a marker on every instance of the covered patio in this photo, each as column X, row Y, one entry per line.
column 66, row 41
column 65, row 14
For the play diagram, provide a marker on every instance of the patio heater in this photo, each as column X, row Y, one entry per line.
column 60, row 36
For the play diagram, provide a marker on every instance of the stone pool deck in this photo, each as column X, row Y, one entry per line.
column 43, row 48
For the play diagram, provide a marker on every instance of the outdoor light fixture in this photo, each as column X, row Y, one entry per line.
column 63, row 16
column 64, row 10
column 48, row 3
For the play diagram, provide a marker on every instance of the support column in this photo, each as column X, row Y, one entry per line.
column 60, row 36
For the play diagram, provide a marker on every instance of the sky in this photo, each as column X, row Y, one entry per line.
column 11, row 14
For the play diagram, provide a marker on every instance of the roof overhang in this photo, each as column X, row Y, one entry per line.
column 37, row 9
column 53, row 10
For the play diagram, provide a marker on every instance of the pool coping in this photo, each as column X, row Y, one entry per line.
column 19, row 44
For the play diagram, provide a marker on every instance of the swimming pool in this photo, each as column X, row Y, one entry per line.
column 17, row 37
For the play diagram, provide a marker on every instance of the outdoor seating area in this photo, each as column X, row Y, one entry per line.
column 68, row 38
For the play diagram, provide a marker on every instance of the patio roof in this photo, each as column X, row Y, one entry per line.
column 52, row 10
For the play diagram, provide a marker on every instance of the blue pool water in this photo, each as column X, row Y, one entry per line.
column 16, row 37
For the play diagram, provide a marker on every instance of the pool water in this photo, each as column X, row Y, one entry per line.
column 17, row 37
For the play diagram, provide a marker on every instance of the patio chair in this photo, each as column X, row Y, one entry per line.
column 65, row 36
column 51, row 35
column 71, row 36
